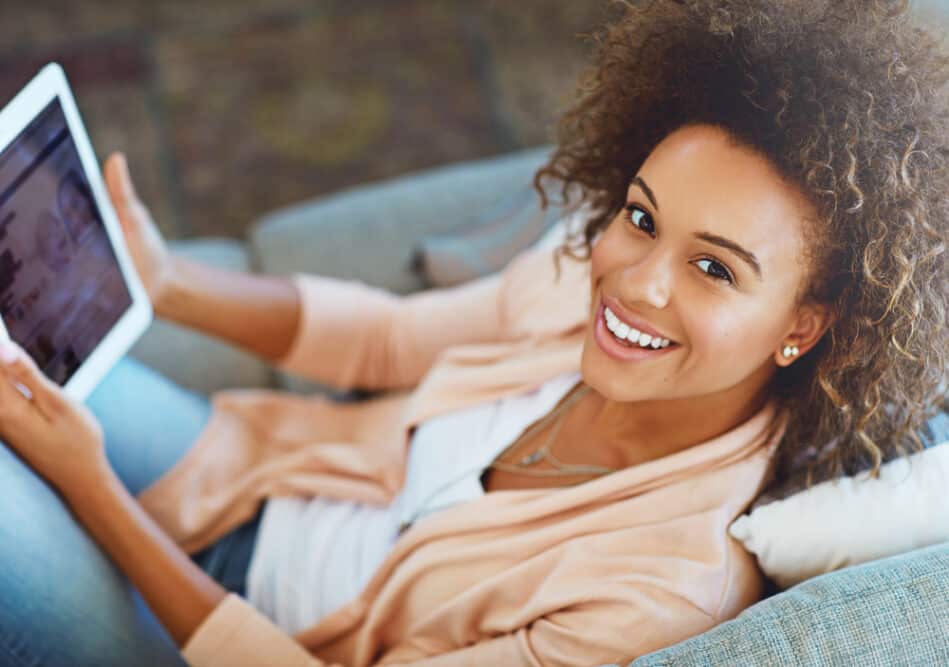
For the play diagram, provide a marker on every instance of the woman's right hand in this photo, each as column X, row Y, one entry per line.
column 146, row 245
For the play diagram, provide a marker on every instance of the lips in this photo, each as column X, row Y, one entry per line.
column 634, row 321
column 617, row 351
column 625, row 334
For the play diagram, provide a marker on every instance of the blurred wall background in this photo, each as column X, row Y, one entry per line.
column 230, row 108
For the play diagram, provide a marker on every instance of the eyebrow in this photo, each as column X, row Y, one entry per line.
column 720, row 241
column 645, row 188
column 749, row 257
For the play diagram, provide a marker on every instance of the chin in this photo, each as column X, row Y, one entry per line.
column 599, row 375
column 621, row 381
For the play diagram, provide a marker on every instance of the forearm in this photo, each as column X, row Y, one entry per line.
column 259, row 313
column 178, row 592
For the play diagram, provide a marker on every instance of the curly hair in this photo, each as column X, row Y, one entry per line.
column 848, row 100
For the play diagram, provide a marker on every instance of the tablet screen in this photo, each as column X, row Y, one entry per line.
column 61, row 288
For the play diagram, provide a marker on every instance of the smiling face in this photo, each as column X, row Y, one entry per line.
column 710, row 254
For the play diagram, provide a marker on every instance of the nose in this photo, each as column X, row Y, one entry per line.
column 648, row 279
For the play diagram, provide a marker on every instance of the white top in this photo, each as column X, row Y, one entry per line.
column 313, row 555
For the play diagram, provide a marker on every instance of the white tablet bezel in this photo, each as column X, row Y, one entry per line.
column 49, row 84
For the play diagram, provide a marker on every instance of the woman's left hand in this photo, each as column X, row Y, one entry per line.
column 57, row 436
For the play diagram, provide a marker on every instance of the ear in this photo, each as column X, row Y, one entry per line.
column 810, row 323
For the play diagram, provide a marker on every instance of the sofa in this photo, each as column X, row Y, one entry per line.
column 888, row 612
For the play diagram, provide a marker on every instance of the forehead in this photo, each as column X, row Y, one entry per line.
column 704, row 183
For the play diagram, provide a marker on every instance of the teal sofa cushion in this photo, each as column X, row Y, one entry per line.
column 489, row 243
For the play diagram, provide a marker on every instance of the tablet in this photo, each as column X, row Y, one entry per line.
column 69, row 291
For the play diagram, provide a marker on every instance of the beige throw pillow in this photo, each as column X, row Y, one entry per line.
column 851, row 520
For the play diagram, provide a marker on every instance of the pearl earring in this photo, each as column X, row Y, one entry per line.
column 790, row 351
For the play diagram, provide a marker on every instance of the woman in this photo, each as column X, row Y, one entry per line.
column 765, row 226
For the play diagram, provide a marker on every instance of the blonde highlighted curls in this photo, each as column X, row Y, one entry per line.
column 848, row 99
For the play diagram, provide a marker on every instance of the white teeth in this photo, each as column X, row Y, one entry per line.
column 622, row 330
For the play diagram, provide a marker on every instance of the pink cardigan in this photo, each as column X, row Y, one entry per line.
column 598, row 572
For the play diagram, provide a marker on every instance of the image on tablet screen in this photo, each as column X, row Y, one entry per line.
column 61, row 289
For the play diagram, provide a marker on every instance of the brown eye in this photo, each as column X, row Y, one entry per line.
column 641, row 219
column 715, row 270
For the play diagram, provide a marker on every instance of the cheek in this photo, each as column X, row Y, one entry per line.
column 598, row 259
column 726, row 335
column 712, row 329
column 611, row 252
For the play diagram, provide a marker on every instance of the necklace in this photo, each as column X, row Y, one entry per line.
column 563, row 469
column 543, row 452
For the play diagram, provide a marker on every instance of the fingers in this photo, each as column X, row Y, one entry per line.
column 118, row 180
column 17, row 408
column 20, row 369
column 113, row 179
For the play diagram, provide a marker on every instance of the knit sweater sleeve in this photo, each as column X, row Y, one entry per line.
column 353, row 335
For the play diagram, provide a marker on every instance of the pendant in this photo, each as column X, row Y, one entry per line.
column 532, row 458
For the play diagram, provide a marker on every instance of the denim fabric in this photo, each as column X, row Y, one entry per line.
column 228, row 559
column 62, row 601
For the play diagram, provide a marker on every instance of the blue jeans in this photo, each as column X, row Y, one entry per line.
column 62, row 601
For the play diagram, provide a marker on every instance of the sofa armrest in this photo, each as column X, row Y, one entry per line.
column 368, row 233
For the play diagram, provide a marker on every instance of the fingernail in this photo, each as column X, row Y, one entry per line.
column 8, row 353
